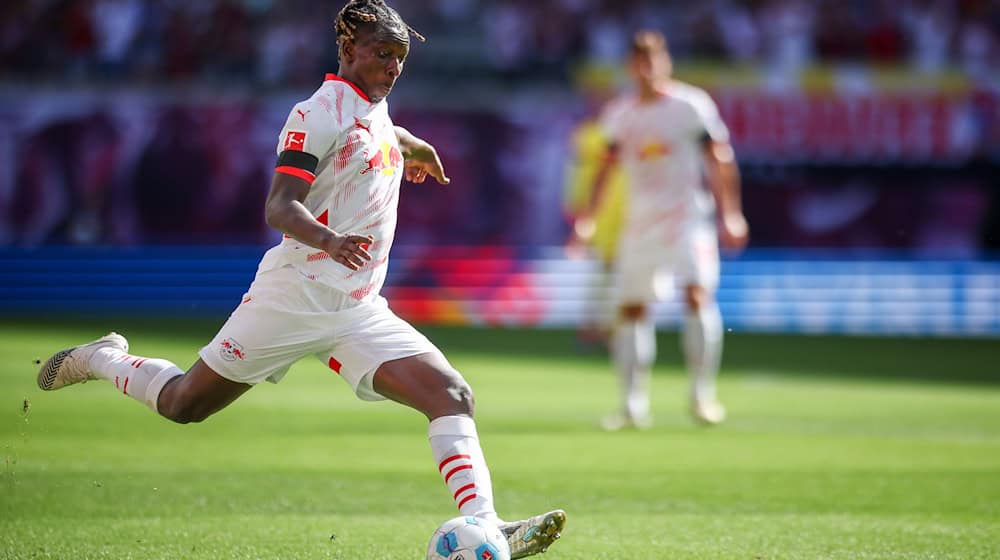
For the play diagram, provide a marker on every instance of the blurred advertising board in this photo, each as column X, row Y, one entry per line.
column 854, row 114
column 762, row 291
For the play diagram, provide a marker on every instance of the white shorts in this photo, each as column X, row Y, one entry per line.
column 285, row 316
column 644, row 269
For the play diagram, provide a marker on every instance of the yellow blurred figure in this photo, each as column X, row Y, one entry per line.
column 590, row 145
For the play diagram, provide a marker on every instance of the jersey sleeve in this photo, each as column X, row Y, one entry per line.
column 709, row 122
column 307, row 136
column 610, row 121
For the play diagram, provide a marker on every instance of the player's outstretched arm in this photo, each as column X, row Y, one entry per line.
column 583, row 223
column 420, row 158
column 284, row 212
column 724, row 181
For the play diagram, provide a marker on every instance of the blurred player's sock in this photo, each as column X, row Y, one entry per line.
column 455, row 444
column 634, row 349
column 599, row 310
column 702, row 341
column 138, row 377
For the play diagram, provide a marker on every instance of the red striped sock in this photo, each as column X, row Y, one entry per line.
column 135, row 376
column 460, row 460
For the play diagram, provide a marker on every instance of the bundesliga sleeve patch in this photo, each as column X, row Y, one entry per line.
column 295, row 140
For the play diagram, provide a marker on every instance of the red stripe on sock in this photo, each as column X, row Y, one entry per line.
column 465, row 500
column 117, row 386
column 140, row 362
column 447, row 477
column 450, row 459
column 469, row 486
column 125, row 388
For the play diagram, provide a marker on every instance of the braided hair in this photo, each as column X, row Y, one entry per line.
column 358, row 13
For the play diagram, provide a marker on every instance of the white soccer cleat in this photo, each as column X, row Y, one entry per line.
column 72, row 365
column 536, row 534
column 708, row 412
column 619, row 421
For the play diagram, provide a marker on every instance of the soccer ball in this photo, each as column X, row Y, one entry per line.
column 468, row 538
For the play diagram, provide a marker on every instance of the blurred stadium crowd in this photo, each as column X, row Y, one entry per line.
column 867, row 132
column 858, row 124
column 267, row 42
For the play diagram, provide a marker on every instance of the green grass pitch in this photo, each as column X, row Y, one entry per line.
column 836, row 448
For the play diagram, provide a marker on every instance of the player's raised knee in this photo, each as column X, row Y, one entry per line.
column 463, row 401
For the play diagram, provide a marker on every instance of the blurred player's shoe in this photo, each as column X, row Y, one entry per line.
column 535, row 534
column 72, row 365
column 709, row 412
column 617, row 422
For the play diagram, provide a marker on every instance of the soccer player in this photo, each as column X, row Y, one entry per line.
column 669, row 138
column 334, row 196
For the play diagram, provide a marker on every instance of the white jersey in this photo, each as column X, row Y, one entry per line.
column 355, row 182
column 660, row 144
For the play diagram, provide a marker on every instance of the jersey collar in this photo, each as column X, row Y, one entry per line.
column 335, row 78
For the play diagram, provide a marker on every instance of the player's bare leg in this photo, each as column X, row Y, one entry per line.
column 159, row 384
column 429, row 384
column 702, row 345
column 634, row 351
column 198, row 394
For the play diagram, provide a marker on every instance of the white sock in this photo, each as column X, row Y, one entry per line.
column 634, row 351
column 455, row 444
column 140, row 378
column 702, row 344
column 599, row 305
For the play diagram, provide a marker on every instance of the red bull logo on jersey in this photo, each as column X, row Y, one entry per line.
column 386, row 160
column 230, row 350
column 653, row 150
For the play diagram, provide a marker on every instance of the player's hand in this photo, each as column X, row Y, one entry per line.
column 584, row 228
column 580, row 237
column 733, row 231
column 416, row 171
column 350, row 250
column 420, row 159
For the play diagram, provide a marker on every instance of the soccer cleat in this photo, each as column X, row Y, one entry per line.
column 72, row 365
column 619, row 421
column 536, row 534
column 708, row 412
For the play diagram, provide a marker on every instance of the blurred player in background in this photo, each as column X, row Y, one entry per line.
column 589, row 143
column 669, row 138
column 334, row 195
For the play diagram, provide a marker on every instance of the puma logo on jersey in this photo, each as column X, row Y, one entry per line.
column 358, row 123
column 301, row 114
